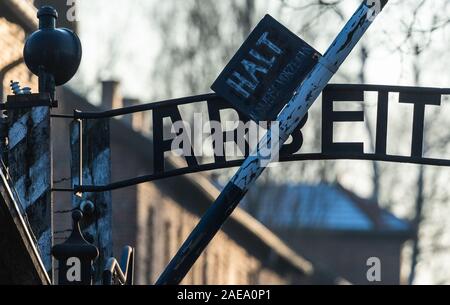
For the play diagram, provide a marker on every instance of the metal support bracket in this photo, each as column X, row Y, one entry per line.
column 21, row 101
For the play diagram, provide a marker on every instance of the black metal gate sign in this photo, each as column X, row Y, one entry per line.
column 420, row 98
column 262, row 76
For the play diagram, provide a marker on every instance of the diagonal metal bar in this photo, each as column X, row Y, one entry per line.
column 289, row 118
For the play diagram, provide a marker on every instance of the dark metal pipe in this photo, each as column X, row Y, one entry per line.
column 236, row 163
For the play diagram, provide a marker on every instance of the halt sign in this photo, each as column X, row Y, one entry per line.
column 262, row 76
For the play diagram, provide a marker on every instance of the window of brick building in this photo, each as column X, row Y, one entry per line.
column 149, row 244
column 217, row 267
column 180, row 236
column 253, row 277
column 205, row 268
column 167, row 241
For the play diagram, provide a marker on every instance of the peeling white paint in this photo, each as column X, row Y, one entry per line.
column 18, row 131
column 39, row 114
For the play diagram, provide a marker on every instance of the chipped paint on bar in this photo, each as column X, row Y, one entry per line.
column 307, row 93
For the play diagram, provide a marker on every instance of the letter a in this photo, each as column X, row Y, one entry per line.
column 374, row 272
column 239, row 86
column 74, row 272
column 252, row 68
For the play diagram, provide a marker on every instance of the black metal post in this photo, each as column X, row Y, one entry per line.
column 75, row 256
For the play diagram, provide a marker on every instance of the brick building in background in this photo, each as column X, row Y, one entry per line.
column 317, row 220
column 17, row 19
column 153, row 217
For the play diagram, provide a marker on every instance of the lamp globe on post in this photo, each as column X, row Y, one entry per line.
column 53, row 54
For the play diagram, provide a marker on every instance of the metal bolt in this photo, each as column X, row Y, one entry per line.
column 26, row 90
column 15, row 87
